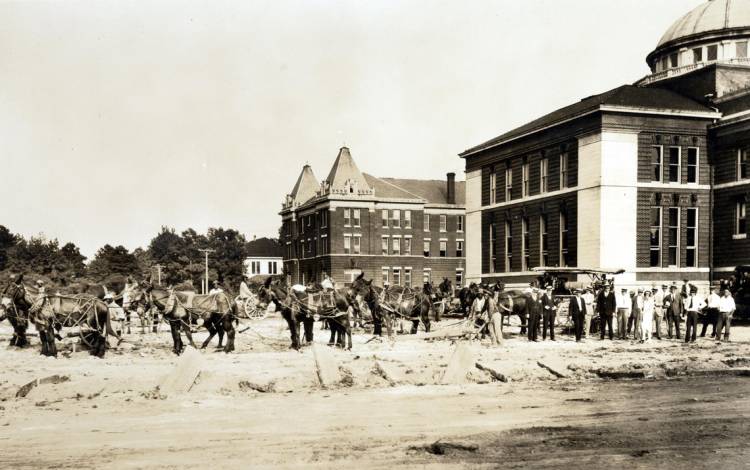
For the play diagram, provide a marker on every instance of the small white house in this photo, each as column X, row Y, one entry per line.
column 255, row 265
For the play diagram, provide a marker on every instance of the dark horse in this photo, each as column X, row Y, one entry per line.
column 512, row 303
column 217, row 311
column 17, row 312
column 371, row 295
column 414, row 305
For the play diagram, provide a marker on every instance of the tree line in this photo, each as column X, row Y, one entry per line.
column 178, row 254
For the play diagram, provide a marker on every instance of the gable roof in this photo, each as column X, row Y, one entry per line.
column 344, row 169
column 628, row 96
column 432, row 191
column 306, row 186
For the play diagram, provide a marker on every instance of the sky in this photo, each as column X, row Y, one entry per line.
column 119, row 117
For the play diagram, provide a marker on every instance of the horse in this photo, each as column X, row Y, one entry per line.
column 17, row 312
column 179, row 309
column 372, row 296
column 91, row 315
column 411, row 304
column 512, row 303
column 467, row 296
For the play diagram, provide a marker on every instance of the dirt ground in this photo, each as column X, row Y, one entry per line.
column 662, row 404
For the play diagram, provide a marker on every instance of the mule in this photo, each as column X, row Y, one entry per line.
column 17, row 312
column 372, row 296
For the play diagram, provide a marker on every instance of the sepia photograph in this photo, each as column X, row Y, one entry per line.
column 395, row 234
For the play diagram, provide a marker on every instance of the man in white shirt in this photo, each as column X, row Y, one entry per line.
column 658, row 296
column 588, row 299
column 712, row 312
column 726, row 310
column 624, row 303
column 216, row 289
column 693, row 305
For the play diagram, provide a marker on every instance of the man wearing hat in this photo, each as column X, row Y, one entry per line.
column 636, row 315
column 658, row 296
column 589, row 299
column 712, row 312
column 216, row 288
column 606, row 304
column 549, row 312
column 693, row 306
column 624, row 304
column 577, row 311
column 675, row 309
column 534, row 310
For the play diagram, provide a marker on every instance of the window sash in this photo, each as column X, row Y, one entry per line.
column 426, row 248
column 525, row 180
column 427, row 222
column 692, row 165
column 357, row 245
column 543, row 168
column 674, row 164
column 563, row 171
column 407, row 219
column 657, row 161
column 443, row 249
column 459, row 249
column 384, row 272
column 407, row 277
column 347, row 245
column 460, row 223
column 356, row 218
column 443, row 223
column 508, row 184
column 525, row 255
column 384, row 218
column 673, row 236
column 563, row 239
column 396, row 218
column 384, row 245
column 407, row 246
column 396, row 245
column 508, row 246
column 396, row 277
column 741, row 219
column 543, row 238
column 655, row 233
column 347, row 218
column 691, row 246
column 743, row 164
column 493, row 254
column 493, row 187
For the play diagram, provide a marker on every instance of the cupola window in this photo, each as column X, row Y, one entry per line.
column 673, row 60
column 697, row 55
column 741, row 49
column 713, row 52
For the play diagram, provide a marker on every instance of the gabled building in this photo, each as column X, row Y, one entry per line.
column 401, row 231
column 651, row 177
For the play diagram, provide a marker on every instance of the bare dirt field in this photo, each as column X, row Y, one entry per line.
column 603, row 404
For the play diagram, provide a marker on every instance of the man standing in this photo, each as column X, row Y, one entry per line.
column 726, row 310
column 659, row 295
column 533, row 312
column 577, row 311
column 712, row 312
column 624, row 304
column 636, row 314
column 693, row 305
column 588, row 299
column 549, row 314
column 216, row 288
column 674, row 309
column 606, row 305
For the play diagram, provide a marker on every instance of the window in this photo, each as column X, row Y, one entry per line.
column 673, row 60
column 691, row 247
column 543, row 238
column 493, row 186
column 443, row 248
column 270, row 267
column 743, row 164
column 407, row 246
column 459, row 248
column 741, row 218
column 347, row 244
column 309, row 221
column 427, row 222
column 252, row 268
column 396, row 218
column 407, row 277
column 543, row 170
column 508, row 246
column 356, row 218
column 357, row 244
column 426, row 275
column 525, row 254
column 350, row 275
column 493, row 248
column 664, row 63
column 563, row 239
column 674, row 164
column 657, row 159
column 396, row 276
column 443, row 223
column 459, row 278
column 741, row 47
column 384, row 216
column 426, row 249
column 564, row 170
column 347, row 217
column 525, row 180
column 712, row 52
column 385, row 245
column 673, row 231
column 697, row 55
column 508, row 184
column 396, row 245
column 692, row 165
column 460, row 223
column 385, row 272
column 324, row 219
column 655, row 231
column 407, row 219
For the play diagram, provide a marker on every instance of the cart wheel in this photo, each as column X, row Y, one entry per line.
column 252, row 311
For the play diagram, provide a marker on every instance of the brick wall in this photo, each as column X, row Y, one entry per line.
column 646, row 142
column 729, row 252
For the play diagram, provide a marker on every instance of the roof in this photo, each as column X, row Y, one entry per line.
column 629, row 96
column 306, row 185
column 344, row 170
column 432, row 191
column 264, row 247
column 556, row 270
column 712, row 15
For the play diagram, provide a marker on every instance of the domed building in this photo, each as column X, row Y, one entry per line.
column 652, row 178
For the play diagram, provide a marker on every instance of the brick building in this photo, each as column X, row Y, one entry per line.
column 403, row 231
column 652, row 177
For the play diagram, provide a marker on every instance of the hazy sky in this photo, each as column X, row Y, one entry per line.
column 117, row 117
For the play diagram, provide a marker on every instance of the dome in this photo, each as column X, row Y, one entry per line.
column 711, row 16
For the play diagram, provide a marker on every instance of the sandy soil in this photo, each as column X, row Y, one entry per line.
column 681, row 405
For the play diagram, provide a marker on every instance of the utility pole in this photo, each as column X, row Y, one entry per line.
column 206, row 251
column 158, row 272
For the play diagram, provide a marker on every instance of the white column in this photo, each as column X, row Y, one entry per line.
column 473, row 226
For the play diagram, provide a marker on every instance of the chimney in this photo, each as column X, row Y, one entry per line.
column 451, row 188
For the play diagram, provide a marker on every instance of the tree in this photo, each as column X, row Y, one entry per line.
column 167, row 249
column 7, row 241
column 229, row 247
column 72, row 260
column 112, row 261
